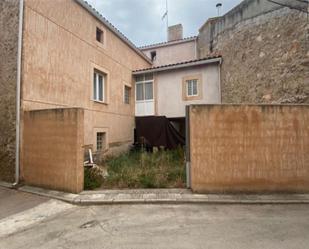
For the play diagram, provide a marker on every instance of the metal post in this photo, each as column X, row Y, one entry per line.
column 188, row 166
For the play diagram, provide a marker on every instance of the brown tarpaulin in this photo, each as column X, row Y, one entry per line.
column 158, row 131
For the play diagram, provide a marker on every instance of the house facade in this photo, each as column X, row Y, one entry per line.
column 166, row 90
column 63, row 55
column 176, row 79
column 80, row 61
column 176, row 49
column 70, row 57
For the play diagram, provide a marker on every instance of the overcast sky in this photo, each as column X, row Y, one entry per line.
column 141, row 20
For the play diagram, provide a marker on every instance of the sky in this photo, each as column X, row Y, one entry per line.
column 141, row 20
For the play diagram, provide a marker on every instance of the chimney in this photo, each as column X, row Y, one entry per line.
column 175, row 32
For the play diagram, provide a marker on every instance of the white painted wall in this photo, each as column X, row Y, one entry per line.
column 170, row 102
column 144, row 108
column 171, row 54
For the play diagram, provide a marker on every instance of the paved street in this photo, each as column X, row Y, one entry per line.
column 12, row 201
column 54, row 224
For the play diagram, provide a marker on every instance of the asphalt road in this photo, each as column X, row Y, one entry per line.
column 54, row 224
column 12, row 201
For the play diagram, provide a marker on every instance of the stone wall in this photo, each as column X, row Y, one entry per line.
column 53, row 153
column 8, row 73
column 240, row 148
column 265, row 50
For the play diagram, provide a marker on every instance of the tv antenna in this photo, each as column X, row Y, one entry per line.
column 218, row 6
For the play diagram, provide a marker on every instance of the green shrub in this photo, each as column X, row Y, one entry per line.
column 91, row 179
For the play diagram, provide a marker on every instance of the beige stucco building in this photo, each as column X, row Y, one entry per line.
column 69, row 56
column 71, row 81
column 171, row 52
column 81, row 83
column 64, row 60
column 169, row 89
column 176, row 79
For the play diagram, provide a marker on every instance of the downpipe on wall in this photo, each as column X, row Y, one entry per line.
column 18, row 94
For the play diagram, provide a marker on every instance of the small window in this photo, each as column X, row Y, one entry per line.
column 99, row 81
column 127, row 94
column 101, row 141
column 99, row 35
column 192, row 87
column 153, row 55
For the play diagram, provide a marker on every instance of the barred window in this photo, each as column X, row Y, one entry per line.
column 101, row 140
column 127, row 94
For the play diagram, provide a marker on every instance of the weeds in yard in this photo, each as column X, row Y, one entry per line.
column 139, row 169
column 91, row 179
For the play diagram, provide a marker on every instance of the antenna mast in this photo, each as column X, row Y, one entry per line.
column 167, row 18
column 219, row 5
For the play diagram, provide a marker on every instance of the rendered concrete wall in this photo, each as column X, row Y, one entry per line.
column 9, row 13
column 175, row 32
column 53, row 149
column 239, row 148
column 170, row 54
column 169, row 90
column 60, row 51
column 265, row 50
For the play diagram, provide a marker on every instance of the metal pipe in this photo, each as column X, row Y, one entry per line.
column 220, row 84
column 18, row 95
column 188, row 159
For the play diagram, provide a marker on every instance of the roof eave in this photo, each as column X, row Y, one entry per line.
column 86, row 6
column 173, row 67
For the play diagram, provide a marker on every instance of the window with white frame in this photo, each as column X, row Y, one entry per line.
column 99, row 86
column 127, row 94
column 192, row 87
column 144, row 87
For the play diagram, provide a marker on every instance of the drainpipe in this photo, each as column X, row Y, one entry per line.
column 18, row 86
column 220, row 86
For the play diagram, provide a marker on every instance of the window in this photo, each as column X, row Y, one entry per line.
column 99, row 35
column 153, row 55
column 99, row 81
column 101, row 141
column 127, row 94
column 144, row 87
column 192, row 87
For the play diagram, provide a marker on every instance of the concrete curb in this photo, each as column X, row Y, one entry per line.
column 125, row 197
column 157, row 196
column 6, row 184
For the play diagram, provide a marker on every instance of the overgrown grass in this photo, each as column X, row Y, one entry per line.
column 161, row 169
column 91, row 179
